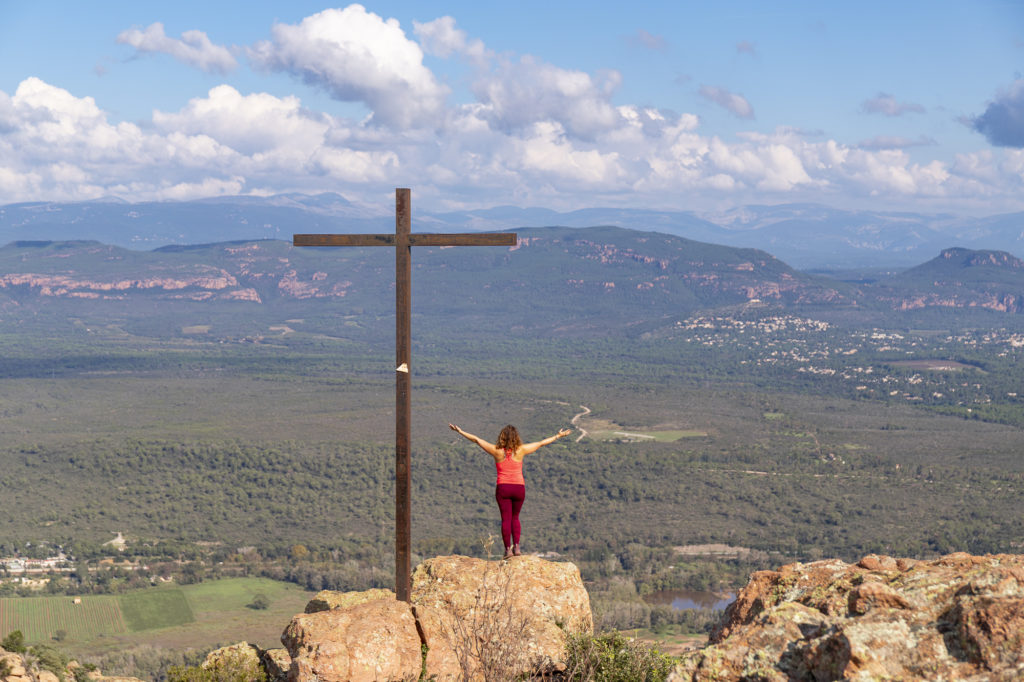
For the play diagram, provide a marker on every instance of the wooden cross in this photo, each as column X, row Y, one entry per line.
column 403, row 242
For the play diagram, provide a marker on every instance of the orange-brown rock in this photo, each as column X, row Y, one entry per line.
column 443, row 662
column 957, row 617
column 15, row 666
column 276, row 664
column 372, row 641
column 501, row 617
column 326, row 600
column 869, row 595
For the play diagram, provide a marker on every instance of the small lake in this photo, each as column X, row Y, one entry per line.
column 691, row 599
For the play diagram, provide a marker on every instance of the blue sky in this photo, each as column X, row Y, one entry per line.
column 695, row 106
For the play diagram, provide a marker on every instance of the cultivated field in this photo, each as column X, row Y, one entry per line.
column 189, row 616
column 39, row 618
column 154, row 609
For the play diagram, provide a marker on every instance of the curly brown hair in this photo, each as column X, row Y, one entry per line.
column 508, row 439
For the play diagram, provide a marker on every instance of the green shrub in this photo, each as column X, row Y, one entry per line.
column 50, row 659
column 14, row 642
column 612, row 657
column 231, row 667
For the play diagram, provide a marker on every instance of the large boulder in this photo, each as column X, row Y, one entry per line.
column 474, row 619
column 497, row 618
column 957, row 617
column 367, row 642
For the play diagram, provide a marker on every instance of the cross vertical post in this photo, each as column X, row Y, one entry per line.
column 403, row 240
column 403, row 402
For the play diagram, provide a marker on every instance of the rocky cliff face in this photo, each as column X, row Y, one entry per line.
column 959, row 278
column 220, row 285
column 958, row 617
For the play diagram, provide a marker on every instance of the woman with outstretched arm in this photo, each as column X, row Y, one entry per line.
column 510, row 489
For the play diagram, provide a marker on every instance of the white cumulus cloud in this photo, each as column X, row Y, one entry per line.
column 441, row 38
column 55, row 145
column 193, row 48
column 248, row 123
column 518, row 94
column 526, row 131
column 357, row 56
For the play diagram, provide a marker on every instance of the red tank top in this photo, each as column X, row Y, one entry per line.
column 509, row 470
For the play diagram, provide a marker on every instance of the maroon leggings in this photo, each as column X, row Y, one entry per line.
column 510, row 498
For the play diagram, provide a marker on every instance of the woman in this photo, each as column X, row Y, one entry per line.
column 510, row 490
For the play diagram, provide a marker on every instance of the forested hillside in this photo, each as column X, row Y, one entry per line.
column 597, row 279
column 556, row 281
column 242, row 394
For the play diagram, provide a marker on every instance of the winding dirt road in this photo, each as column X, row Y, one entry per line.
column 576, row 420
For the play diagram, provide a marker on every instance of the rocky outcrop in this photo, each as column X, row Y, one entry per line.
column 509, row 613
column 65, row 284
column 12, row 667
column 15, row 667
column 372, row 640
column 551, row 591
column 468, row 618
column 957, row 617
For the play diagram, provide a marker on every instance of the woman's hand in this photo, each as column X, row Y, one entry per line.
column 453, row 427
column 562, row 433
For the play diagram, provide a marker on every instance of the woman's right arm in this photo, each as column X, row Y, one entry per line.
column 489, row 448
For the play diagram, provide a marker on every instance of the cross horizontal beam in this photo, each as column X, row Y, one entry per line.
column 423, row 239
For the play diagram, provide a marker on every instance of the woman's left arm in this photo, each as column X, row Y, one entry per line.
column 534, row 447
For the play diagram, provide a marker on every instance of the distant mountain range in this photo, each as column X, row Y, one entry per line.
column 601, row 280
column 807, row 236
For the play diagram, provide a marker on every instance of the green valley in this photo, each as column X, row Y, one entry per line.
column 219, row 433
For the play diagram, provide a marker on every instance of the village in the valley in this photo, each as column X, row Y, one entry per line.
column 907, row 365
column 33, row 573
